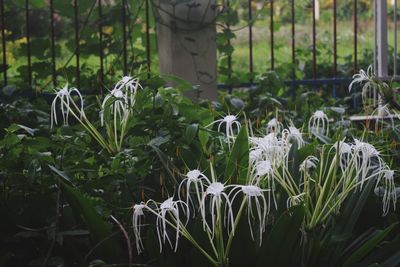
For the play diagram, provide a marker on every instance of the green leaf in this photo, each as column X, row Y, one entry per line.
column 191, row 131
column 368, row 246
column 100, row 230
column 347, row 220
column 238, row 160
column 283, row 239
column 159, row 140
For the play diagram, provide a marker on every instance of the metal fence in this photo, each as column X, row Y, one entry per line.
column 380, row 49
column 97, row 4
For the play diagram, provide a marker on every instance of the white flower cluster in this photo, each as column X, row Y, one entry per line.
column 118, row 100
column 211, row 199
column 366, row 162
column 121, row 99
column 115, row 112
column 349, row 166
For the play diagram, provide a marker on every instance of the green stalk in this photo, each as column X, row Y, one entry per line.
column 189, row 237
column 220, row 236
column 237, row 219
column 95, row 134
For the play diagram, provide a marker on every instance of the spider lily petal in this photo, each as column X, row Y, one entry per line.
column 231, row 123
column 318, row 123
column 64, row 95
column 362, row 76
column 263, row 168
column 255, row 155
column 255, row 193
column 137, row 224
column 389, row 190
column 294, row 200
column 193, row 177
column 309, row 163
column 120, row 99
column 293, row 133
column 169, row 207
column 367, row 160
column 345, row 154
column 274, row 126
column 216, row 195
column 261, row 173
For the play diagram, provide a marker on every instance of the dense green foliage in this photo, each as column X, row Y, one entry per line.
column 59, row 188
column 65, row 200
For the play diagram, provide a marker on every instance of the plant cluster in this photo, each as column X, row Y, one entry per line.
column 145, row 176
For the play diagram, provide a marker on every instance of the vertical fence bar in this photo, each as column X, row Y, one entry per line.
column 148, row 57
column 293, row 42
column 271, row 14
column 355, row 67
column 3, row 41
column 334, row 40
column 334, row 47
column 375, row 37
column 382, row 41
column 124, row 46
column 101, row 52
column 228, row 5
column 77, row 46
column 314, row 49
column 28, row 43
column 53, row 49
column 395, row 38
column 250, row 39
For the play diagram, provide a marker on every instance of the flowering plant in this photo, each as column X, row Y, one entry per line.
column 116, row 111
column 278, row 167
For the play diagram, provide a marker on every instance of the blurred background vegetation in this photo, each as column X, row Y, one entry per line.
column 237, row 35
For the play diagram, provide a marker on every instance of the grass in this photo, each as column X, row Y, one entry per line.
column 303, row 33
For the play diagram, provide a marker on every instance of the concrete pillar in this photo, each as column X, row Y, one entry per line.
column 186, row 36
column 381, row 39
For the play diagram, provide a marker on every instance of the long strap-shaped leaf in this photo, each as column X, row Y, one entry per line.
column 367, row 247
column 100, row 230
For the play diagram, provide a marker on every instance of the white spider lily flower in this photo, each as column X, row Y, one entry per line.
column 261, row 173
column 255, row 141
column 345, row 154
column 318, row 123
column 194, row 178
column 255, row 193
column 122, row 97
column 171, row 208
column 369, row 89
column 389, row 190
column 137, row 224
column 215, row 193
column 274, row 126
column 255, row 155
column 274, row 149
column 294, row 200
column 309, row 163
column 381, row 113
column 362, row 76
column 231, row 122
column 263, row 168
column 129, row 84
column 368, row 161
column 293, row 133
column 64, row 95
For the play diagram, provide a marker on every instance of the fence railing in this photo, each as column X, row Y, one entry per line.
column 128, row 55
